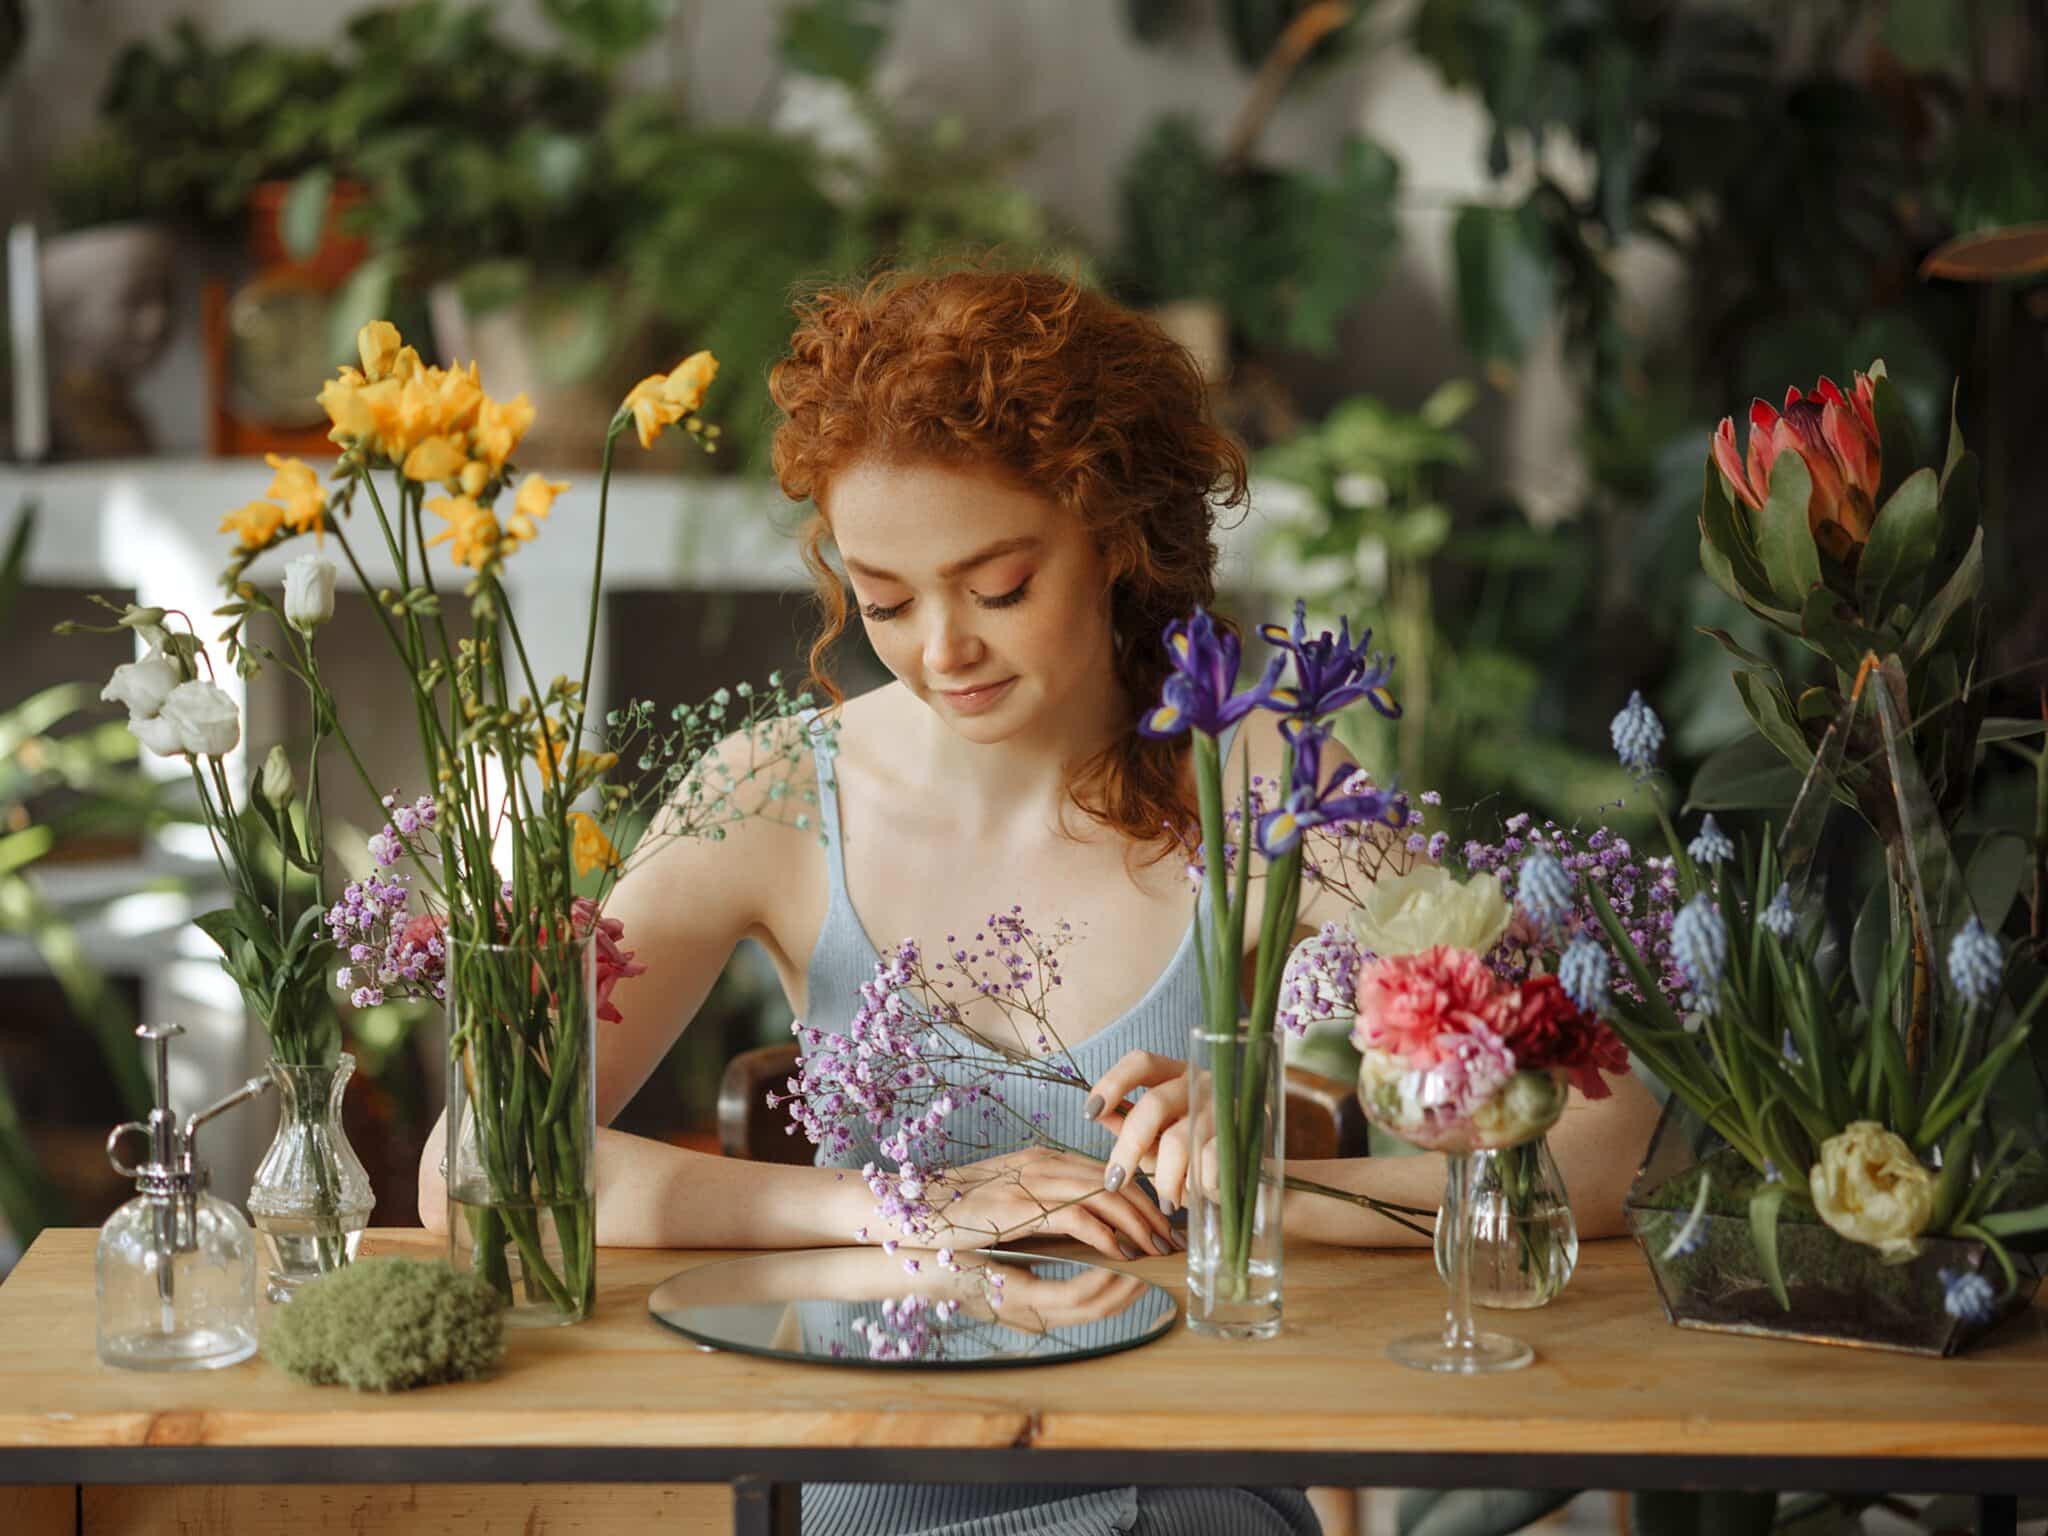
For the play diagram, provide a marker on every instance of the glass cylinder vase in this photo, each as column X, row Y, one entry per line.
column 522, row 1118
column 311, row 1198
column 1237, row 1109
column 1525, row 1242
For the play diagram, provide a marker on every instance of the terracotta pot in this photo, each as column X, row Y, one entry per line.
column 338, row 254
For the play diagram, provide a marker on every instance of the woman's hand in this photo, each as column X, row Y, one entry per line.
column 1037, row 1191
column 1153, row 1137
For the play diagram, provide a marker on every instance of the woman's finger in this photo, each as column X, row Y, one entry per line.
column 1144, row 1229
column 1084, row 1225
column 1135, row 1069
column 1162, row 1106
column 1169, row 1179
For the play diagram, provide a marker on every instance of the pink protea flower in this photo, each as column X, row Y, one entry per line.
column 1409, row 1004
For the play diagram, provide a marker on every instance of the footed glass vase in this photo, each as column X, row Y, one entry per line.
column 311, row 1198
column 522, row 1118
column 1237, row 1104
column 1525, row 1242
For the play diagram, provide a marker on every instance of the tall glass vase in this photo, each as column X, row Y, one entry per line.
column 311, row 1197
column 1237, row 1109
column 1525, row 1241
column 522, row 1117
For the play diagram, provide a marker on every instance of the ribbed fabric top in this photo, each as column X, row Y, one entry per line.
column 844, row 958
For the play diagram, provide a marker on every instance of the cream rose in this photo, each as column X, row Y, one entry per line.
column 197, row 719
column 1870, row 1187
column 1406, row 914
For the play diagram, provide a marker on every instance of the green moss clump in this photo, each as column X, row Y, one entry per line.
column 383, row 1325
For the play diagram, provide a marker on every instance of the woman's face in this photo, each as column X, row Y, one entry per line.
column 988, row 602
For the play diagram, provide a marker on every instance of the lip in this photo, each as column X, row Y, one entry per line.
column 972, row 701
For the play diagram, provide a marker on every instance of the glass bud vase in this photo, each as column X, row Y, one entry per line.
column 1525, row 1243
column 311, row 1198
column 1237, row 1102
column 522, row 1117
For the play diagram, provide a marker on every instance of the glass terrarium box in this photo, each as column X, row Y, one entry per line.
column 1841, row 1292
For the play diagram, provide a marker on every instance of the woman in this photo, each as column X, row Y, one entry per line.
column 1020, row 481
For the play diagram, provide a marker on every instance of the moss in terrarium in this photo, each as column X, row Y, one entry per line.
column 383, row 1325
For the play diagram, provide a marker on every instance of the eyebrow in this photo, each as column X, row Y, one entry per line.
column 956, row 567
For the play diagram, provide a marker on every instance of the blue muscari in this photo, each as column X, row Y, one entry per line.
column 1638, row 734
column 1699, row 942
column 1975, row 963
column 1710, row 845
column 1967, row 1295
column 1544, row 890
column 1583, row 970
column 1779, row 919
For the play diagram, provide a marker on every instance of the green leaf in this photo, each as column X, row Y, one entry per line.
column 2009, row 728
column 1501, row 260
column 489, row 285
column 1749, row 774
column 1448, row 402
column 15, row 561
column 1772, row 715
column 1901, row 544
column 1784, row 541
column 1763, row 1232
column 1900, row 455
column 1830, row 626
column 1868, row 940
column 366, row 296
column 1928, row 39
column 839, row 39
column 1996, row 870
column 1957, row 593
column 1736, row 649
column 303, row 219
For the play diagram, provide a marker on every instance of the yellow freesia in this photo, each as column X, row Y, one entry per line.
column 476, row 474
column 257, row 523
column 343, row 400
column 378, row 344
column 500, row 424
column 477, row 539
column 549, row 750
column 298, row 489
column 535, row 500
column 591, row 849
column 436, row 459
column 651, row 408
column 686, row 383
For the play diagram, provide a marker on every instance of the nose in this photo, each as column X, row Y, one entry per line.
column 950, row 646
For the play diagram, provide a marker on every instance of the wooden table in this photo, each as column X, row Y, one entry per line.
column 1617, row 1398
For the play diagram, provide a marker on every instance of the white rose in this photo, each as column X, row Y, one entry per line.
column 142, row 685
column 197, row 719
column 1870, row 1187
column 1406, row 914
column 308, row 592
column 1523, row 1110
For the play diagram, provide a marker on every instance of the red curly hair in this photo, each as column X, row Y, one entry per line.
column 1068, row 395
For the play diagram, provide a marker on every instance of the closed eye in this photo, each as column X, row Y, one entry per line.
column 876, row 614
column 1006, row 599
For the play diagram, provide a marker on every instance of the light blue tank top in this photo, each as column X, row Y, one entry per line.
column 845, row 956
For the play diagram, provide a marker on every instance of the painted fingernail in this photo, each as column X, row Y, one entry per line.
column 1093, row 1108
column 1179, row 1240
column 1125, row 1246
column 1113, row 1175
column 1166, row 1205
column 1160, row 1245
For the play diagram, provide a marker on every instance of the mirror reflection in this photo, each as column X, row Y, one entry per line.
column 864, row 1307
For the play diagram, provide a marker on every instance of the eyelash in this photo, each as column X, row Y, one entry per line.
column 875, row 614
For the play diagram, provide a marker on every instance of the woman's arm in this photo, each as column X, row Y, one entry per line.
column 1599, row 1145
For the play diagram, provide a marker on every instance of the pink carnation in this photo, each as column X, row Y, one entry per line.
column 613, row 960
column 1409, row 1004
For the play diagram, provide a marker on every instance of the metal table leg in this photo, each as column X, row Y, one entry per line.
column 762, row 1508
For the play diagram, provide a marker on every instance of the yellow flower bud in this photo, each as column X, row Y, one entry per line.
column 500, row 424
column 297, row 486
column 591, row 849
column 345, row 406
column 378, row 343
column 474, row 477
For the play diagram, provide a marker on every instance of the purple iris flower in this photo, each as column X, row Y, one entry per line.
column 1347, row 798
column 1334, row 674
column 1197, row 694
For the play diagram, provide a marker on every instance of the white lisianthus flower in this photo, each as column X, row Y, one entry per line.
column 308, row 592
column 1426, row 907
column 197, row 720
column 1870, row 1187
column 142, row 685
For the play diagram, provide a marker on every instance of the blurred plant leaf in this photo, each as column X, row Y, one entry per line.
column 1504, row 287
column 303, row 220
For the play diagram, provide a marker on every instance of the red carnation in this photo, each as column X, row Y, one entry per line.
column 1545, row 1028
